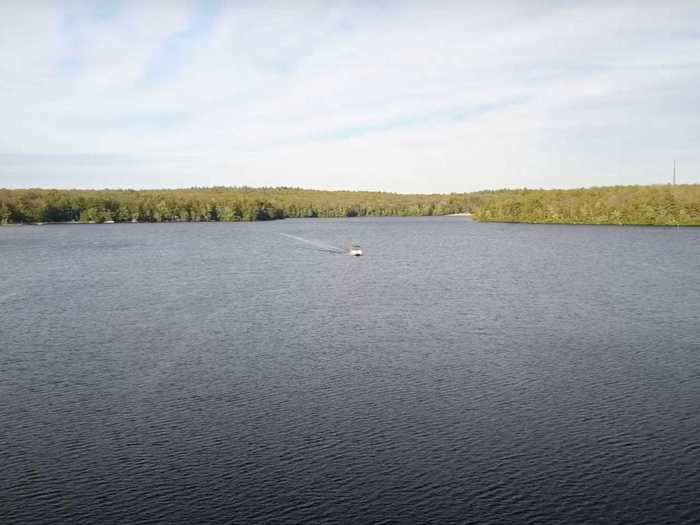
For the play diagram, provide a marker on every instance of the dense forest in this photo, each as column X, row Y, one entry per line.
column 213, row 204
column 655, row 205
column 644, row 205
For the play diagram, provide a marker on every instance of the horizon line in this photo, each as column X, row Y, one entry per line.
column 324, row 190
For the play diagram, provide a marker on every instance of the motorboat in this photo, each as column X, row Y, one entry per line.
column 355, row 250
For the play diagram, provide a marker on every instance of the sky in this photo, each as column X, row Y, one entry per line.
column 412, row 96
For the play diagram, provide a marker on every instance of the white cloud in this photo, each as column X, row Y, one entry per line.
column 399, row 97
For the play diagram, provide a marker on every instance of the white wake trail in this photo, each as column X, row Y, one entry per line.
column 319, row 245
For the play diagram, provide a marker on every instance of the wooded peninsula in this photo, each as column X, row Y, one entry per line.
column 661, row 205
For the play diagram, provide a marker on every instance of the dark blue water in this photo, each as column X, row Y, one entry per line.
column 459, row 372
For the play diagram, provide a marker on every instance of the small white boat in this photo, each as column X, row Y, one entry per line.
column 355, row 250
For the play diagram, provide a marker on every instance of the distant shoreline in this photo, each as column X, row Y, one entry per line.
column 662, row 205
column 465, row 215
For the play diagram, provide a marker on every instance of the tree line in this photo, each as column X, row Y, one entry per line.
column 212, row 204
column 662, row 205
column 656, row 205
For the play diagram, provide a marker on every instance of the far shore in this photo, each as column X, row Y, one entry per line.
column 175, row 221
column 657, row 205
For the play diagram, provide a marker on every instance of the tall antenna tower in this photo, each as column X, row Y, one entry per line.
column 674, row 172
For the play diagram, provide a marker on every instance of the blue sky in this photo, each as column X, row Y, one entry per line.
column 396, row 96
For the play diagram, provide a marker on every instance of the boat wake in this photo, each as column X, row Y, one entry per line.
column 318, row 245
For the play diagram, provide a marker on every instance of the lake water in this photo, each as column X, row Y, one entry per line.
column 458, row 372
